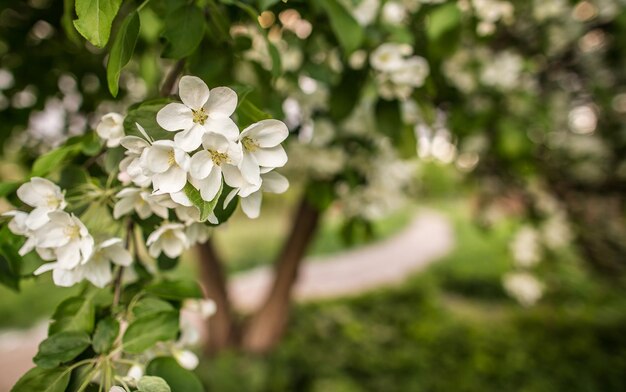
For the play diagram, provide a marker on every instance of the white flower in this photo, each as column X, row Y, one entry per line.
column 389, row 56
column 111, row 129
column 205, row 308
column 117, row 389
column 17, row 226
column 167, row 165
column 251, row 200
column 169, row 238
column 219, row 156
column 67, row 237
column 97, row 270
column 130, row 166
column 135, row 372
column 526, row 247
column 44, row 196
column 201, row 111
column 524, row 287
column 186, row 358
column 142, row 201
column 261, row 148
column 398, row 74
column 366, row 11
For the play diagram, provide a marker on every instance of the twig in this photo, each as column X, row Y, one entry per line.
column 168, row 85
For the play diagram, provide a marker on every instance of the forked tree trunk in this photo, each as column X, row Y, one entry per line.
column 222, row 329
column 267, row 325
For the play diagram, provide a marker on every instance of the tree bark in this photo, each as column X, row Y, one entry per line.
column 267, row 326
column 222, row 329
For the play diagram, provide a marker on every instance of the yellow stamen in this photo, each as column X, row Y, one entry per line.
column 249, row 144
column 199, row 116
column 218, row 157
column 73, row 232
column 171, row 158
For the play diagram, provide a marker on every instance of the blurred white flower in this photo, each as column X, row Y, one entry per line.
column 503, row 71
column 398, row 74
column 201, row 111
column 111, row 129
column 117, row 389
column 526, row 247
column 44, row 196
column 186, row 358
column 272, row 182
column 365, row 12
column 524, row 287
column 169, row 238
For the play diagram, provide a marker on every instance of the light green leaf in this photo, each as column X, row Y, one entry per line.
column 441, row 20
column 178, row 378
column 43, row 380
column 184, row 29
column 153, row 384
column 175, row 289
column 53, row 159
column 150, row 305
column 144, row 332
column 61, row 347
column 122, row 50
column 248, row 113
column 205, row 207
column 347, row 30
column 104, row 337
column 95, row 18
column 8, row 187
column 74, row 314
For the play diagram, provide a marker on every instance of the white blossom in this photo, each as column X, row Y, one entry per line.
column 524, row 287
column 142, row 201
column 130, row 167
column 526, row 247
column 272, row 182
column 67, row 237
column 167, row 166
column 44, row 196
column 111, row 129
column 186, row 358
column 169, row 238
column 261, row 144
column 201, row 111
column 399, row 73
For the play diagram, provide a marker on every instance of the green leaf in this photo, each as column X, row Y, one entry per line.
column 43, row 380
column 442, row 20
column 149, row 305
column 184, row 29
column 178, row 378
column 144, row 332
column 53, row 159
column 153, row 384
column 74, row 314
column 104, row 337
column 7, row 188
column 10, row 260
column 248, row 113
column 61, row 347
column 145, row 115
column 388, row 118
column 347, row 30
column 205, row 207
column 175, row 289
column 276, row 62
column 346, row 94
column 95, row 18
column 66, row 22
column 122, row 50
column 223, row 214
column 265, row 4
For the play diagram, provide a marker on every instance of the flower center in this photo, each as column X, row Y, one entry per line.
column 218, row 157
column 199, row 116
column 249, row 144
column 52, row 202
column 72, row 232
column 171, row 158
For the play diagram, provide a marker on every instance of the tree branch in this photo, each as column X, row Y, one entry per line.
column 172, row 76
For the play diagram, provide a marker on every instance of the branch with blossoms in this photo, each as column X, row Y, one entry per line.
column 166, row 189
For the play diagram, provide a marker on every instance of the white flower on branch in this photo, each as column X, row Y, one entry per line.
column 67, row 237
column 44, row 196
column 398, row 73
column 524, row 287
column 142, row 201
column 252, row 197
column 169, row 238
column 167, row 165
column 111, row 129
column 261, row 144
column 202, row 111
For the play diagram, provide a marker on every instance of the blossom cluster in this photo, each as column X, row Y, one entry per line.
column 398, row 71
column 62, row 239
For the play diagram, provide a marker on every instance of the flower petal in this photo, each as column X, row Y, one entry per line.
column 222, row 102
column 211, row 184
column 274, row 182
column 157, row 158
column 222, row 126
column 174, row 117
column 193, row 92
column 251, row 205
column 250, row 169
column 200, row 165
column 173, row 180
column 190, row 139
column 266, row 133
column 271, row 157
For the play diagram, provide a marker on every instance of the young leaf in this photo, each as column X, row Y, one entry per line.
column 175, row 289
column 95, row 18
column 60, row 348
column 248, row 113
column 184, row 29
column 153, row 384
column 43, row 380
column 178, row 378
column 205, row 207
column 441, row 20
column 144, row 332
column 104, row 337
column 74, row 314
column 122, row 50
column 53, row 159
column 347, row 30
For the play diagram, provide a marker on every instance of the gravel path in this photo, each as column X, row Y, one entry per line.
column 425, row 240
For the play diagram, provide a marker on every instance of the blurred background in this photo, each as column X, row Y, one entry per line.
column 480, row 248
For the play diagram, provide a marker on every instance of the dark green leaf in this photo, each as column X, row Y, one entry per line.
column 95, row 18
column 61, row 347
column 347, row 30
column 205, row 207
column 66, row 21
column 248, row 113
column 184, row 29
column 345, row 95
column 149, row 305
column 122, row 50
column 104, row 337
column 265, row 4
column 275, row 56
column 145, row 115
column 53, row 160
column 10, row 260
column 74, row 314
column 7, row 188
column 178, row 378
column 153, row 384
column 223, row 214
column 43, row 380
column 144, row 332
column 175, row 289
column 389, row 118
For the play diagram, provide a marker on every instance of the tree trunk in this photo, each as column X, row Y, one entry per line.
column 267, row 326
column 221, row 326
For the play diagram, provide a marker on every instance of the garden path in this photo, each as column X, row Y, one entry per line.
column 426, row 239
